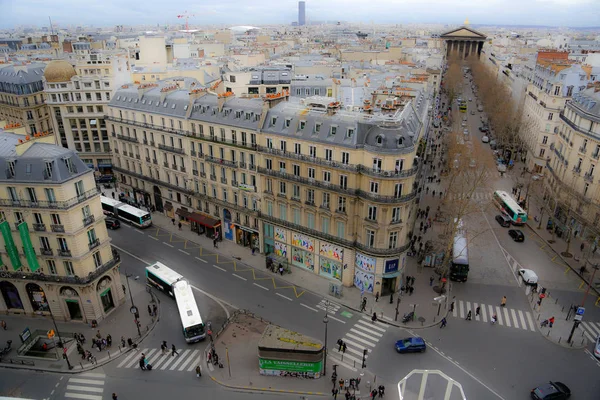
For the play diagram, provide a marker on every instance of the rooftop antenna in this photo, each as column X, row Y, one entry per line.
column 51, row 28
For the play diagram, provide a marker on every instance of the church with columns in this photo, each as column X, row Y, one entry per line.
column 463, row 42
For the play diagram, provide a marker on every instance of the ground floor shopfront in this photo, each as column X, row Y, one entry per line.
column 341, row 265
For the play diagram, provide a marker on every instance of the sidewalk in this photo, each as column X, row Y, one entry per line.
column 120, row 323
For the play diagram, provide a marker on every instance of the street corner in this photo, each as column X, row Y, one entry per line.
column 265, row 389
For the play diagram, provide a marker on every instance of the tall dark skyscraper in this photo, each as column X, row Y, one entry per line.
column 301, row 13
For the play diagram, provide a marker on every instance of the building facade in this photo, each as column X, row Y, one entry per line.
column 56, row 255
column 77, row 104
column 325, row 190
column 21, row 97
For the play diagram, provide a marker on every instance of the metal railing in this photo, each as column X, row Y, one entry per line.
column 171, row 149
column 46, row 252
column 39, row 227
column 57, row 228
column 89, row 220
column 220, row 161
column 153, row 180
column 94, row 243
column 64, row 253
column 127, row 138
column 60, row 205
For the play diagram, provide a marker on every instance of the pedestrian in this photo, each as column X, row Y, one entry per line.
column 114, row 396
column 154, row 309
column 253, row 250
column 477, row 310
column 431, row 280
column 433, row 193
column 113, row 194
column 98, row 334
column 108, row 340
column 215, row 243
column 142, row 364
column 149, row 310
column 334, row 393
column 340, row 343
column 3, row 324
column 198, row 371
column 374, row 317
column 392, row 298
column 173, row 221
column 376, row 297
column 374, row 393
column 441, row 193
column 421, row 227
column 341, row 382
column 163, row 348
column 425, row 229
column 347, row 394
column 443, row 324
column 582, row 246
column 551, row 321
column 381, row 390
column 363, row 305
column 452, row 307
column 411, row 290
column 344, row 347
column 174, row 350
column 123, row 341
column 469, row 317
column 280, row 269
column 347, row 384
column 503, row 302
column 179, row 226
column 99, row 344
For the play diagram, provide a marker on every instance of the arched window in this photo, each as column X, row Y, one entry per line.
column 379, row 139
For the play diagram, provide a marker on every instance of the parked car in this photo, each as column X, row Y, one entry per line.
column 551, row 391
column 470, row 99
column 485, row 139
column 411, row 345
column 483, row 128
column 465, row 131
column 516, row 235
column 529, row 277
column 472, row 112
column 597, row 348
column 503, row 220
column 112, row 223
column 463, row 124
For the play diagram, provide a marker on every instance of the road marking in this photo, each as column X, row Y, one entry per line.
column 454, row 311
column 522, row 318
column 192, row 364
column 462, row 311
column 468, row 309
column 366, row 335
column 506, row 317
column 184, row 252
column 129, row 358
column 179, row 360
column 285, row 297
column 152, row 237
column 336, row 360
column 217, row 267
column 499, row 315
column 530, row 321
column 239, row 277
column 387, row 318
column 476, row 316
column 262, row 287
column 483, row 313
column 85, row 388
column 368, row 329
column 380, row 326
column 170, row 245
column 310, row 308
column 140, row 232
column 514, row 318
column 366, row 342
column 86, row 381
column 83, row 396
column 200, row 259
column 93, row 375
column 336, row 319
column 186, row 362
column 170, row 360
column 358, row 345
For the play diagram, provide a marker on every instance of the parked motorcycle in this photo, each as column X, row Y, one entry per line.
column 408, row 317
column 7, row 348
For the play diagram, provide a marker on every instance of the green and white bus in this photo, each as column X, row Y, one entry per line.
column 510, row 208
column 459, row 265
column 165, row 279
column 125, row 212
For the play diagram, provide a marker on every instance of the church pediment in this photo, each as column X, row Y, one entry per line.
column 463, row 32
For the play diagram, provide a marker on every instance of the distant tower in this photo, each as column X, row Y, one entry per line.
column 301, row 13
column 466, row 22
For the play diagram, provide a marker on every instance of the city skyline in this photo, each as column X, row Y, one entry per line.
column 558, row 13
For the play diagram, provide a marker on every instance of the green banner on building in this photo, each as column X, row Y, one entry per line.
column 11, row 249
column 295, row 366
column 28, row 247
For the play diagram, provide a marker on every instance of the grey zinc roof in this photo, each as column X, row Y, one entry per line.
column 19, row 75
column 588, row 101
column 174, row 104
column 206, row 110
column 30, row 166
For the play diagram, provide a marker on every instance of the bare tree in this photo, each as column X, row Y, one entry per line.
column 453, row 79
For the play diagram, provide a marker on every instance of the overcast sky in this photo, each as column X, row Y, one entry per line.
column 577, row 13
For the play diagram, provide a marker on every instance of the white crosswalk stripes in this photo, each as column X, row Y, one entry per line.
column 591, row 330
column 506, row 316
column 477, row 196
column 186, row 360
column 333, row 307
column 86, row 386
column 363, row 335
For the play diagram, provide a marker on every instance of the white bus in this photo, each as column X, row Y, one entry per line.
column 509, row 207
column 459, row 266
column 165, row 279
column 127, row 213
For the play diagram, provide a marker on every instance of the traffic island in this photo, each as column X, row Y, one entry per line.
column 251, row 354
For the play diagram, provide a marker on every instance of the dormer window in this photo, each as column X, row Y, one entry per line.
column 400, row 141
column 317, row 127
column 273, row 121
column 288, row 121
column 350, row 133
column 247, row 115
column 302, row 125
column 333, row 130
column 379, row 140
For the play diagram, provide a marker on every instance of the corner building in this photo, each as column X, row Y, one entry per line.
column 56, row 255
column 329, row 191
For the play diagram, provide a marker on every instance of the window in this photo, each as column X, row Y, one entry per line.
column 550, row 116
column 97, row 259
column 281, row 166
column 270, row 208
column 283, row 212
column 341, row 230
column 62, row 244
column 344, row 181
column 341, row 204
column 328, row 154
column 310, row 220
column 310, row 196
column 545, row 140
column 269, row 143
column 374, row 187
column 542, row 152
column 377, row 164
column 12, row 192
column 297, row 148
column 19, row 217
column 586, row 187
column 370, row 238
column 51, row 267
column 396, row 214
column 282, row 188
column 283, row 145
column 372, row 213
column 269, row 164
column 325, row 225
column 55, row 219
column 288, row 121
column 326, row 176
column 326, row 200
column 312, row 151
column 302, row 125
column 269, row 186
column 296, row 191
column 79, row 188
column 44, row 243
column 350, row 133
column 86, row 211
column 91, row 234
column 333, row 130
column 297, row 216
column 398, row 190
column 345, row 157
column 69, row 268
column 317, row 128
column 296, row 169
column 393, row 240
column 557, row 90
column 311, row 173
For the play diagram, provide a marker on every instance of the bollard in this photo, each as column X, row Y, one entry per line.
column 556, row 302
column 81, row 364
column 108, row 351
column 538, row 318
column 559, row 339
column 582, row 341
column 563, row 309
column 548, row 333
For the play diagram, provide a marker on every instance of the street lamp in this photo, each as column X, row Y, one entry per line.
column 60, row 341
column 325, row 321
column 133, row 308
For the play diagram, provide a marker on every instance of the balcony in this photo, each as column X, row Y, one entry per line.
column 588, row 177
column 234, row 183
column 582, row 149
column 64, row 253
column 202, row 174
column 575, row 127
column 224, row 181
column 127, row 138
column 39, row 227
column 57, row 205
column 195, row 172
column 166, row 164
column 153, row 180
column 152, row 143
column 174, row 166
column 145, row 141
column 46, row 252
column 171, row 149
column 213, row 178
column 282, row 195
column 131, row 154
column 155, row 161
column 220, row 161
column 577, row 170
column 57, row 228
column 89, row 220
column 182, row 168
column 116, row 151
column 252, row 167
column 379, row 173
column 396, row 222
column 596, row 155
column 193, row 153
column 94, row 243
column 137, row 156
column 242, row 164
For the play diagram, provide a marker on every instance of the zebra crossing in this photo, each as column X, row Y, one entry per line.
column 87, row 386
column 185, row 361
column 363, row 335
column 591, row 330
column 329, row 306
column 477, row 196
column 508, row 317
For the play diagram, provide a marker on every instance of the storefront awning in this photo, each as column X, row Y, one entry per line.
column 182, row 212
column 204, row 220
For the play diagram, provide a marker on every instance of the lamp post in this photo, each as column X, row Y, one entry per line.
column 60, row 341
column 133, row 308
column 325, row 321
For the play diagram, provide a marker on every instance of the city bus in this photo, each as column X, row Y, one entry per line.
column 509, row 207
column 125, row 212
column 459, row 266
column 170, row 282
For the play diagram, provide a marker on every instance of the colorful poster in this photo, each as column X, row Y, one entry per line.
column 303, row 241
column 332, row 251
column 365, row 263
column 302, row 258
column 281, row 249
column 364, row 281
column 330, row 268
column 280, row 234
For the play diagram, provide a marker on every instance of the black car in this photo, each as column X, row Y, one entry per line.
column 112, row 223
column 503, row 220
column 483, row 129
column 516, row 235
column 551, row 391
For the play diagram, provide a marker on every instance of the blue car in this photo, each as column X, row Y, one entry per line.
column 411, row 345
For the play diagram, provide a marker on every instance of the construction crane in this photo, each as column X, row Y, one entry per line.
column 187, row 16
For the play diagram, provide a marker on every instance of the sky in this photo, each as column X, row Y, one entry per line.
column 65, row 13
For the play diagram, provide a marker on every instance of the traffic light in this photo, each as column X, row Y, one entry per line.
column 364, row 360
